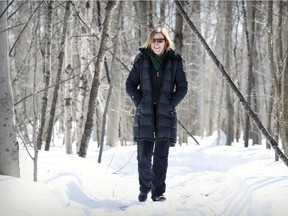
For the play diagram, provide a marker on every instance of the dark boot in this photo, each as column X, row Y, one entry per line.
column 160, row 198
column 142, row 197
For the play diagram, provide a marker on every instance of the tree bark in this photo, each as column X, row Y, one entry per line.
column 250, row 48
column 228, row 79
column 35, row 114
column 68, row 139
column 276, row 82
column 96, row 79
column 228, row 53
column 58, row 77
column 83, row 81
column 113, row 118
column 9, row 147
column 46, row 70
column 283, row 67
column 142, row 14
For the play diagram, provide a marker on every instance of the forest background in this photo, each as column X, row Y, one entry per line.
column 64, row 66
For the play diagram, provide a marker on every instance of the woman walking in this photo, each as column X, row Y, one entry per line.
column 156, row 84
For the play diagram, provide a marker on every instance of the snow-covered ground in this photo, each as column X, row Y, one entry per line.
column 207, row 180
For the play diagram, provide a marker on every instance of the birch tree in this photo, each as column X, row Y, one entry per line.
column 35, row 52
column 278, row 69
column 83, row 80
column 228, row 53
column 178, row 37
column 96, row 79
column 58, row 76
column 282, row 57
column 68, row 139
column 46, row 68
column 76, row 69
column 9, row 146
column 113, row 120
column 250, row 38
column 142, row 11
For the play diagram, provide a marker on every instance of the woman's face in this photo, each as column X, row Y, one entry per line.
column 158, row 44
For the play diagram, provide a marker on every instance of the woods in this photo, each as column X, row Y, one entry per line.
column 66, row 63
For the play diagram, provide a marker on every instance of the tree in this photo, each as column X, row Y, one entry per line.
column 58, row 76
column 82, row 87
column 46, row 68
column 282, row 57
column 250, row 48
column 278, row 69
column 228, row 53
column 113, row 121
column 68, row 93
column 96, row 79
column 9, row 146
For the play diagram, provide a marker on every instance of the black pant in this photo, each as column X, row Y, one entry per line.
column 152, row 175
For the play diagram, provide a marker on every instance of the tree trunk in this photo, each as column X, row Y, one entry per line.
column 9, row 147
column 83, row 81
column 142, row 14
column 178, row 44
column 58, row 77
column 46, row 69
column 273, row 70
column 68, row 93
column 178, row 37
column 113, row 120
column 96, row 79
column 35, row 114
column 250, row 48
column 228, row 54
column 76, row 70
column 283, row 67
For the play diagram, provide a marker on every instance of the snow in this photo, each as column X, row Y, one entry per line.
column 206, row 179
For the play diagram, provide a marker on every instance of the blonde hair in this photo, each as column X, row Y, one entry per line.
column 163, row 31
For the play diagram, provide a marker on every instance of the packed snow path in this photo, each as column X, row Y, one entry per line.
column 206, row 180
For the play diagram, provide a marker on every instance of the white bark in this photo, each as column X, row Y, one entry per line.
column 116, row 82
column 96, row 79
column 46, row 69
column 68, row 95
column 82, row 89
column 9, row 147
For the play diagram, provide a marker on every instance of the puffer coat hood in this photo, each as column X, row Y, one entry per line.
column 159, row 124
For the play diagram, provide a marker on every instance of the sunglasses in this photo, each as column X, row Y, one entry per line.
column 158, row 40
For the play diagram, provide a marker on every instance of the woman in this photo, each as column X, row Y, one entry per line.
column 156, row 85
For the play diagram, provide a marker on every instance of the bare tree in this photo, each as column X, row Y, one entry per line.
column 250, row 47
column 278, row 68
column 76, row 70
column 113, row 120
column 9, row 147
column 34, row 99
column 228, row 53
column 178, row 37
column 46, row 68
column 81, row 94
column 58, row 76
column 142, row 11
column 96, row 79
column 283, row 69
column 232, row 85
column 68, row 139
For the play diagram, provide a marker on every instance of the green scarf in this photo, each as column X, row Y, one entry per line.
column 157, row 60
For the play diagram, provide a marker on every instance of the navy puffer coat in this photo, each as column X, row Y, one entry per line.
column 159, row 124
